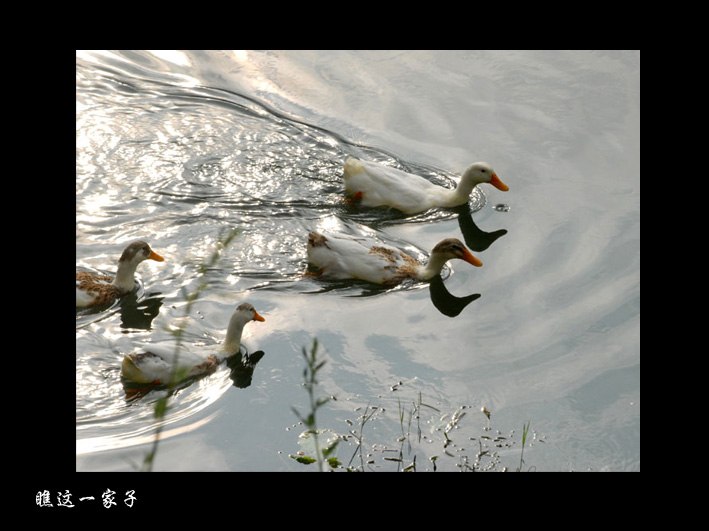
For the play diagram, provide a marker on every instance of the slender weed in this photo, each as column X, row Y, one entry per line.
column 162, row 407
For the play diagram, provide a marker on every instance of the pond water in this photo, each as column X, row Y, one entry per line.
column 181, row 148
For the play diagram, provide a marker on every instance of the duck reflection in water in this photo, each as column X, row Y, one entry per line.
column 136, row 311
column 139, row 314
column 475, row 238
column 444, row 301
column 242, row 368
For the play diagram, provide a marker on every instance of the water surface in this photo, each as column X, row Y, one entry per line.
column 181, row 148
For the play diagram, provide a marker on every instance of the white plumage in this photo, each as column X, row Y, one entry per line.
column 375, row 185
column 341, row 256
column 164, row 362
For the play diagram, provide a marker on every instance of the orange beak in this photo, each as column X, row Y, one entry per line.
column 155, row 256
column 497, row 183
column 468, row 257
column 257, row 317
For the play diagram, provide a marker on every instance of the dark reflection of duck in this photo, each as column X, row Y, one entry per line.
column 136, row 310
column 242, row 367
column 138, row 314
column 475, row 238
column 447, row 303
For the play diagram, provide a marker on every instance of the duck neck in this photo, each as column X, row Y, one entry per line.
column 462, row 192
column 433, row 267
column 232, row 342
column 125, row 276
column 457, row 196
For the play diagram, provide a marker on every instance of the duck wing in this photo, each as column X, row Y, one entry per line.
column 343, row 256
column 380, row 185
column 163, row 362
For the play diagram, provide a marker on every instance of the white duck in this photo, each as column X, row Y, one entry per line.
column 99, row 290
column 163, row 362
column 342, row 256
column 375, row 185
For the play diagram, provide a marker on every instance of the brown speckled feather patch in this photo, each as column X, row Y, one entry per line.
column 407, row 269
column 99, row 286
